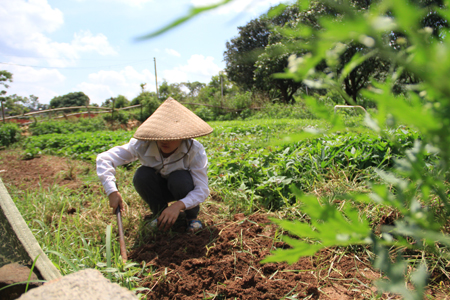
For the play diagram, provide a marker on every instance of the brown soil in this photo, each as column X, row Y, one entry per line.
column 41, row 172
column 222, row 261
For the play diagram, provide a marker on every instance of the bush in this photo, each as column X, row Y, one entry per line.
column 241, row 101
column 118, row 116
column 67, row 126
column 205, row 113
column 283, row 111
column 9, row 134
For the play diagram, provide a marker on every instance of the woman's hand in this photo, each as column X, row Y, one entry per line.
column 115, row 200
column 170, row 215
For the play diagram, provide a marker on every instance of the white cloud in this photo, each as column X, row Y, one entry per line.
column 85, row 41
column 198, row 68
column 20, row 19
column 25, row 25
column 238, row 6
column 97, row 93
column 175, row 76
column 105, row 84
column 39, row 82
column 128, row 2
column 35, row 15
column 134, row 2
column 172, row 52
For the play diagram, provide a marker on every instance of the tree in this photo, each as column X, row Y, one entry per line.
column 121, row 101
column 171, row 90
column 273, row 60
column 243, row 51
column 264, row 45
column 34, row 104
column 260, row 51
column 107, row 103
column 5, row 77
column 218, row 92
column 16, row 105
column 143, row 98
column 69, row 100
column 193, row 87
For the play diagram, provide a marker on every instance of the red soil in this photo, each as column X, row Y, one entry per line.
column 223, row 262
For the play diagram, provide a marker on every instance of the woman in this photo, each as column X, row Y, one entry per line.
column 174, row 165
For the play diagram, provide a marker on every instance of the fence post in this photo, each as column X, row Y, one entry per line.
column 87, row 106
column 112, row 111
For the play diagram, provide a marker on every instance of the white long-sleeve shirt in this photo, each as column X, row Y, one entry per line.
column 148, row 154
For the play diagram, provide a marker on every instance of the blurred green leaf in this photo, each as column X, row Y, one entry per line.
column 192, row 13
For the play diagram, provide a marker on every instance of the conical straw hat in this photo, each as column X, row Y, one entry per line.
column 172, row 121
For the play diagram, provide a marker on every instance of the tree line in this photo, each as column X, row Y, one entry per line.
column 257, row 58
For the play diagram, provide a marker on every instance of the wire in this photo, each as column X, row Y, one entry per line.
column 72, row 68
column 54, row 58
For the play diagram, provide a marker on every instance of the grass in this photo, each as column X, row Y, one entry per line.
column 83, row 239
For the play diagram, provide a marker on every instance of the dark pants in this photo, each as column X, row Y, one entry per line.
column 158, row 191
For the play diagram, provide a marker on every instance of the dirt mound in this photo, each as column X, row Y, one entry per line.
column 223, row 262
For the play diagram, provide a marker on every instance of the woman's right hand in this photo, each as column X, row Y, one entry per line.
column 115, row 200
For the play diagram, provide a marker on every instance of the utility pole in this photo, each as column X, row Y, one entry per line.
column 221, row 85
column 156, row 79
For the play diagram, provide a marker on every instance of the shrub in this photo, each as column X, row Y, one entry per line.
column 67, row 126
column 282, row 111
column 204, row 113
column 241, row 100
column 9, row 134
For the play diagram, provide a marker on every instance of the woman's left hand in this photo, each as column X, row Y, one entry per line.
column 170, row 215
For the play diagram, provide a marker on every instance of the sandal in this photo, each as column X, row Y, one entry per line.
column 153, row 225
column 194, row 225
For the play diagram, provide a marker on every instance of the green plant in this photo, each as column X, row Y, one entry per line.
column 67, row 126
column 416, row 187
column 9, row 134
column 242, row 100
column 81, row 145
column 117, row 116
column 205, row 113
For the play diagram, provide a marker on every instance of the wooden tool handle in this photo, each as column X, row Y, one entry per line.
column 123, row 249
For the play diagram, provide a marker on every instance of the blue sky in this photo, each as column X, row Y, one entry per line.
column 55, row 47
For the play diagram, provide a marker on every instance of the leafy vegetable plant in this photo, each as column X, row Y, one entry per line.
column 415, row 187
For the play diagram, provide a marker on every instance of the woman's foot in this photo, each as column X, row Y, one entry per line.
column 194, row 226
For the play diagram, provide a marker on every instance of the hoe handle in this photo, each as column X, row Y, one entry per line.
column 123, row 249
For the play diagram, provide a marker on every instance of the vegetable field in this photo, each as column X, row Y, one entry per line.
column 253, row 166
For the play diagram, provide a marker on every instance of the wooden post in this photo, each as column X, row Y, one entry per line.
column 221, row 86
column 112, row 111
column 3, row 111
column 156, row 79
column 87, row 106
column 141, row 111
